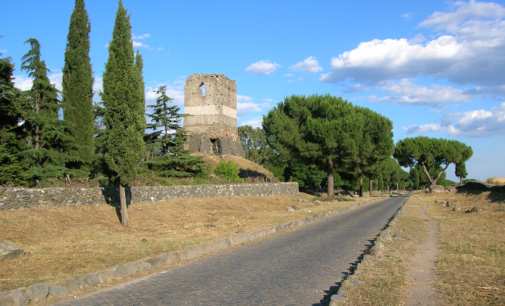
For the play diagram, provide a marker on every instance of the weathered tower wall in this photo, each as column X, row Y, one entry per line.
column 211, row 117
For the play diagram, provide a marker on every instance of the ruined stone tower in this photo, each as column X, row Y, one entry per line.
column 210, row 103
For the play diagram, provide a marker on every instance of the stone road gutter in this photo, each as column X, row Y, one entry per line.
column 40, row 292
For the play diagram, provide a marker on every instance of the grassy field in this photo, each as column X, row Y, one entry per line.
column 384, row 282
column 474, row 274
column 471, row 262
column 496, row 180
column 63, row 242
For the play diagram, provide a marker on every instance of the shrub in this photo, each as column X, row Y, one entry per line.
column 228, row 171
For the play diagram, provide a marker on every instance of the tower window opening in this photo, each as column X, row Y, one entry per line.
column 202, row 87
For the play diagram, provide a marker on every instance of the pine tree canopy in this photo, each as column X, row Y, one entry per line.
column 424, row 150
column 77, row 82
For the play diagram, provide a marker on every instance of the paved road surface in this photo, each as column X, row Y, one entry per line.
column 298, row 267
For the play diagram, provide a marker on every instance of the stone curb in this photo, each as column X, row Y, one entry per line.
column 39, row 292
column 369, row 256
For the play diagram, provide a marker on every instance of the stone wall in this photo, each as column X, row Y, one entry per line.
column 58, row 197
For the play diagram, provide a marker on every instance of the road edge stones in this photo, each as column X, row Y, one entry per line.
column 375, row 250
column 39, row 292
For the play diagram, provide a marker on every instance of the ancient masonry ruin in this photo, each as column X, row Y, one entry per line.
column 210, row 103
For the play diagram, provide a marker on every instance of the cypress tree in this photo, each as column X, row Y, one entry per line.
column 124, row 116
column 461, row 172
column 78, row 85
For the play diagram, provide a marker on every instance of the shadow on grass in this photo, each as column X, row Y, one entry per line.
column 496, row 192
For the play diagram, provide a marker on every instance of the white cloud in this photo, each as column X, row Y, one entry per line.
column 107, row 45
column 309, row 65
column 22, row 82
column 263, row 67
column 174, row 92
column 268, row 100
column 406, row 16
column 355, row 89
column 4, row 51
column 254, row 122
column 160, row 49
column 140, row 37
column 407, row 93
column 477, row 123
column 468, row 49
column 97, row 88
column 247, row 108
column 288, row 75
column 139, row 44
column 25, row 83
column 244, row 98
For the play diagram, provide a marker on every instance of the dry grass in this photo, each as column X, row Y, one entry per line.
column 496, row 180
column 384, row 282
column 475, row 276
column 63, row 242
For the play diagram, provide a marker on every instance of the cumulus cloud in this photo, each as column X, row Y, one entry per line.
column 408, row 93
column 289, row 75
column 140, row 37
column 263, row 67
column 254, row 122
column 244, row 98
column 247, row 108
column 160, row 49
column 355, row 89
column 476, row 123
column 174, row 92
column 268, row 100
column 139, row 44
column 22, row 82
column 468, row 49
column 309, row 65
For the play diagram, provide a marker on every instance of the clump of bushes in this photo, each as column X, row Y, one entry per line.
column 228, row 171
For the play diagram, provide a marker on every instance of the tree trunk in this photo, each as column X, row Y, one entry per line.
column 427, row 173
column 397, row 187
column 388, row 186
column 371, row 187
column 440, row 174
column 36, row 126
column 460, row 181
column 361, row 184
column 124, row 209
column 329, row 171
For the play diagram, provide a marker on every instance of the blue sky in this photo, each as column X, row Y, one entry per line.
column 435, row 68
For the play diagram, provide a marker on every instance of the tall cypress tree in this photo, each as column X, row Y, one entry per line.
column 78, row 85
column 124, row 116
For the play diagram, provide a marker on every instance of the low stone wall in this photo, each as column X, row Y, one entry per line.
column 13, row 198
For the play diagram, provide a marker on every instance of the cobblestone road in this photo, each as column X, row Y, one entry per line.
column 298, row 267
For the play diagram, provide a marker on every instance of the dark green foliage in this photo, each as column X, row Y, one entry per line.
column 183, row 165
column 375, row 145
column 41, row 124
column 414, row 177
column 461, row 171
column 380, row 184
column 77, row 82
column 424, row 150
column 307, row 175
column 319, row 130
column 124, row 103
column 168, row 118
column 12, row 168
column 228, row 171
column 255, row 145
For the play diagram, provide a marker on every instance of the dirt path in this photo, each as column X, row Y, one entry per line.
column 423, row 291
